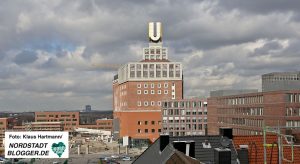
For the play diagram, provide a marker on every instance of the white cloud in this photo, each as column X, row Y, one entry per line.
column 73, row 48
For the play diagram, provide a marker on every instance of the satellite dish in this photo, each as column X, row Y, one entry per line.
column 224, row 141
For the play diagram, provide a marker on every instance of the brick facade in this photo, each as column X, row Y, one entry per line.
column 248, row 113
column 70, row 120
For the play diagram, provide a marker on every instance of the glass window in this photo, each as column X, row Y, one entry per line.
column 152, row 103
column 165, row 92
column 166, row 85
column 152, row 85
column 159, row 85
column 159, row 104
column 145, row 103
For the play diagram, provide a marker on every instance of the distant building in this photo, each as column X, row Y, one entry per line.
column 230, row 92
column 140, row 87
column 248, row 113
column 281, row 81
column 70, row 120
column 5, row 124
column 40, row 126
column 100, row 124
column 88, row 108
column 184, row 117
column 89, row 118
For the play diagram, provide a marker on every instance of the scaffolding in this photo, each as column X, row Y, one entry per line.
column 289, row 139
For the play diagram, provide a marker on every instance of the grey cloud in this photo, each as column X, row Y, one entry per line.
column 265, row 50
column 214, row 39
column 262, row 7
column 25, row 57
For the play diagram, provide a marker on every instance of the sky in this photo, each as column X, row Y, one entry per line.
column 62, row 54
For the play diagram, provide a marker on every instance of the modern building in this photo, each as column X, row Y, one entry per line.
column 88, row 108
column 90, row 118
column 248, row 113
column 231, row 92
column 140, row 87
column 184, row 117
column 40, row 126
column 281, row 81
column 100, row 124
column 70, row 120
column 5, row 124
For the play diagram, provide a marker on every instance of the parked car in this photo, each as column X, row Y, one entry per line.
column 126, row 159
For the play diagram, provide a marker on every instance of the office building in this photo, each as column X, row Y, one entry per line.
column 184, row 117
column 248, row 113
column 88, row 108
column 280, row 81
column 140, row 87
column 70, row 120
column 89, row 118
column 40, row 126
column 100, row 124
column 5, row 124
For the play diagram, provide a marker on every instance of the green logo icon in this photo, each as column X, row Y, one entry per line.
column 58, row 148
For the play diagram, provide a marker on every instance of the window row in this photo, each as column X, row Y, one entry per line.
column 167, row 112
column 293, row 123
column 184, row 104
column 154, row 70
column 155, row 51
column 151, row 103
column 151, row 92
column 292, row 111
column 186, row 127
column 294, row 97
column 242, row 121
column 152, row 85
column 245, row 100
column 184, row 120
column 258, row 111
column 148, row 131
column 148, row 122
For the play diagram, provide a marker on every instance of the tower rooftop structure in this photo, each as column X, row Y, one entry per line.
column 140, row 87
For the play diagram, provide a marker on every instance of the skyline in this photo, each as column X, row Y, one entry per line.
column 57, row 55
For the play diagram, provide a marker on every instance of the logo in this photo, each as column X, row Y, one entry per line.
column 155, row 33
column 58, row 148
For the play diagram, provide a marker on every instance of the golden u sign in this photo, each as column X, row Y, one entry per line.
column 157, row 37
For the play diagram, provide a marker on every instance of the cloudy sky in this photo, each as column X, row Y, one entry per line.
column 61, row 55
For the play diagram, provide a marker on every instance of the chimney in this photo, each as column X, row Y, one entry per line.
column 163, row 142
column 226, row 132
column 222, row 156
column 187, row 147
column 190, row 148
column 243, row 154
